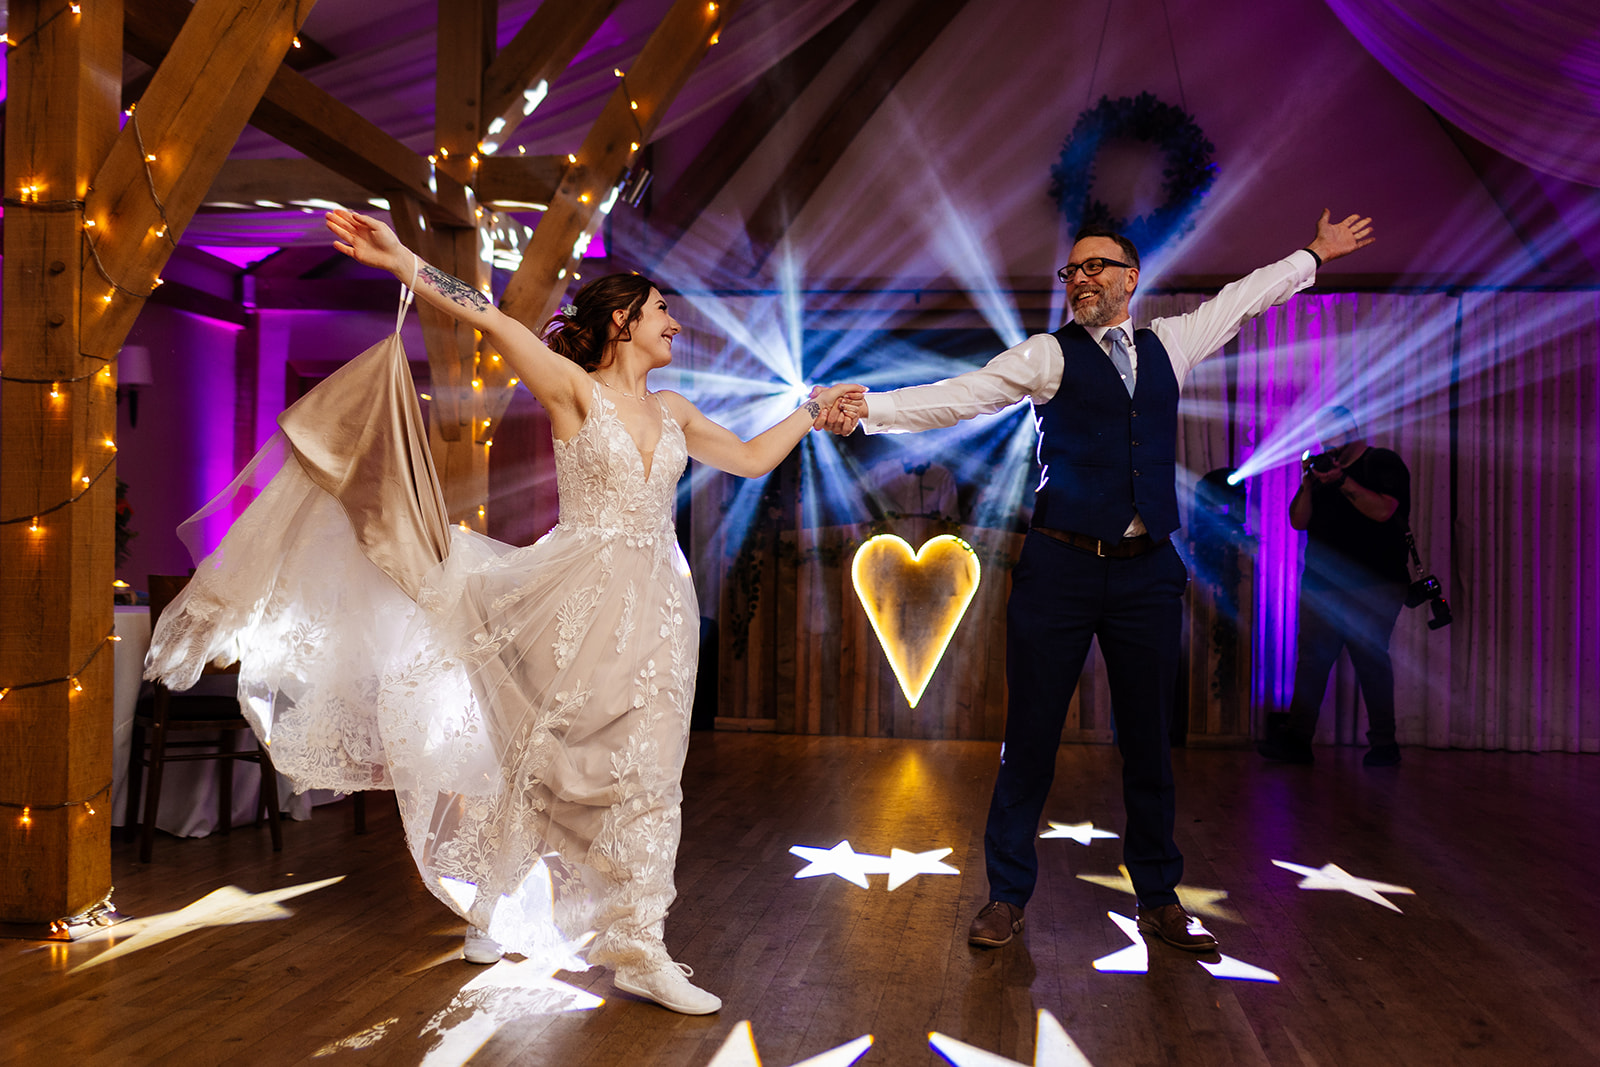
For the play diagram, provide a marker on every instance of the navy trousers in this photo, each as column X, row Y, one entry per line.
column 1061, row 597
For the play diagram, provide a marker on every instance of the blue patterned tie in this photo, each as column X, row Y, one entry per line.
column 1120, row 358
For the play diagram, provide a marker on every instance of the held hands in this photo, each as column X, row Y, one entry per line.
column 838, row 407
column 368, row 241
column 1335, row 239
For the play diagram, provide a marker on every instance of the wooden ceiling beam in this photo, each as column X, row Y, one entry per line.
column 844, row 119
column 466, row 41
column 295, row 262
column 308, row 120
column 734, row 142
column 466, row 35
column 541, row 50
column 198, row 103
column 627, row 121
column 519, row 179
column 306, row 55
column 281, row 181
column 311, row 121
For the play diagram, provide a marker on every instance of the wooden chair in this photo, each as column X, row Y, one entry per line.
column 168, row 712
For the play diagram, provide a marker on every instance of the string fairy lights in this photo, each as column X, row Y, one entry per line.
column 75, row 685
column 26, row 811
column 33, row 196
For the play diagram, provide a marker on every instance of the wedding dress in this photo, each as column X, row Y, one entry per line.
column 529, row 706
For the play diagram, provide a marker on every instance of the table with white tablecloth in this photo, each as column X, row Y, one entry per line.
column 188, row 789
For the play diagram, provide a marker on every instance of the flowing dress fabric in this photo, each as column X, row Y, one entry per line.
column 529, row 706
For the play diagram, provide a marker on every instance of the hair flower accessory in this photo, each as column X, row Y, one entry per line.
column 569, row 311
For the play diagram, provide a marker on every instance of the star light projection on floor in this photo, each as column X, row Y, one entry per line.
column 901, row 866
column 508, row 991
column 1196, row 900
column 1135, row 959
column 495, row 997
column 1333, row 876
column 1051, row 1048
column 739, row 1050
column 228, row 906
column 1081, row 832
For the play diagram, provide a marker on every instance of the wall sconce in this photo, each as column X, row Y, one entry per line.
column 133, row 372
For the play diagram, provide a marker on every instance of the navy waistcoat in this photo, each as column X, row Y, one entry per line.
column 1105, row 454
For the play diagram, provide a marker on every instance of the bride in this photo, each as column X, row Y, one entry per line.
column 529, row 706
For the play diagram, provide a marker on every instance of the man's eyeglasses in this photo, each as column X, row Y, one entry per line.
column 1090, row 268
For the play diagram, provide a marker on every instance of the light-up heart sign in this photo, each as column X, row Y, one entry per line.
column 915, row 601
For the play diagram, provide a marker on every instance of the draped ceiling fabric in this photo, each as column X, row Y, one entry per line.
column 1519, row 559
column 393, row 80
column 1522, row 76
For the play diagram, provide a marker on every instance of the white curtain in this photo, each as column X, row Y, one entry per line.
column 1522, row 76
column 1519, row 462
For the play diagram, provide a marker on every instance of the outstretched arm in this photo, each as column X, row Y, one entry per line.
column 557, row 382
column 721, row 448
column 1198, row 334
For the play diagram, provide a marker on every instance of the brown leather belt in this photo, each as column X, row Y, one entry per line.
column 1126, row 548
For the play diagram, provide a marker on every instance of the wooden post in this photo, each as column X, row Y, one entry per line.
column 65, row 78
column 71, row 292
column 456, row 430
column 629, row 118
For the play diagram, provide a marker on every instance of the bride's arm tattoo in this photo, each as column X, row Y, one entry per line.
column 455, row 290
column 812, row 408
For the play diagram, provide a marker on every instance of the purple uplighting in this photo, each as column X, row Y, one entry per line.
column 243, row 257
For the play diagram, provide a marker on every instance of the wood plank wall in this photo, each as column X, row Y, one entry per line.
column 797, row 653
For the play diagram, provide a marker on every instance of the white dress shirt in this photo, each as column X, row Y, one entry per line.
column 1033, row 368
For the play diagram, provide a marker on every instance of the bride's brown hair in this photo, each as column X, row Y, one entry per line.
column 581, row 330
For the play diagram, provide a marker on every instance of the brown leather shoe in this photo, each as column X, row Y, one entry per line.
column 995, row 925
column 1176, row 927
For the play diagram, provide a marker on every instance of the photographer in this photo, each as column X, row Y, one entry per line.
column 1354, row 503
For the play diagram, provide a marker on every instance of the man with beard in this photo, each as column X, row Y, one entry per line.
column 1098, row 561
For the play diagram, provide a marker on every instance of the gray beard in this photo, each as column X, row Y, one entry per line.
column 1102, row 312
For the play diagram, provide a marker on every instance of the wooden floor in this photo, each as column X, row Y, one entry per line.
column 1493, row 960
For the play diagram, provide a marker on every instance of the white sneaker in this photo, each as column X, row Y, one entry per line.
column 667, row 983
column 480, row 947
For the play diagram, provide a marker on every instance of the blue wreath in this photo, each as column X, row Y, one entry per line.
column 1189, row 171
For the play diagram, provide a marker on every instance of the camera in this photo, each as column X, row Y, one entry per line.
column 1323, row 462
column 1428, row 591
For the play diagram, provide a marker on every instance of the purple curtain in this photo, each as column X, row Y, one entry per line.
column 1522, row 76
column 1505, row 496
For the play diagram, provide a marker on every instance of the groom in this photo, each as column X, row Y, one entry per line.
column 1098, row 560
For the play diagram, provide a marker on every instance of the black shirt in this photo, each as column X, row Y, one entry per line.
column 1345, row 547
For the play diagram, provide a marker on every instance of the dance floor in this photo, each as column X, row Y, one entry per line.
column 1433, row 914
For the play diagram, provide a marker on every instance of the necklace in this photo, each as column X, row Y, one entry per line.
column 614, row 389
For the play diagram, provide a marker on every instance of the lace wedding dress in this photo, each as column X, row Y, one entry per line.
column 529, row 706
